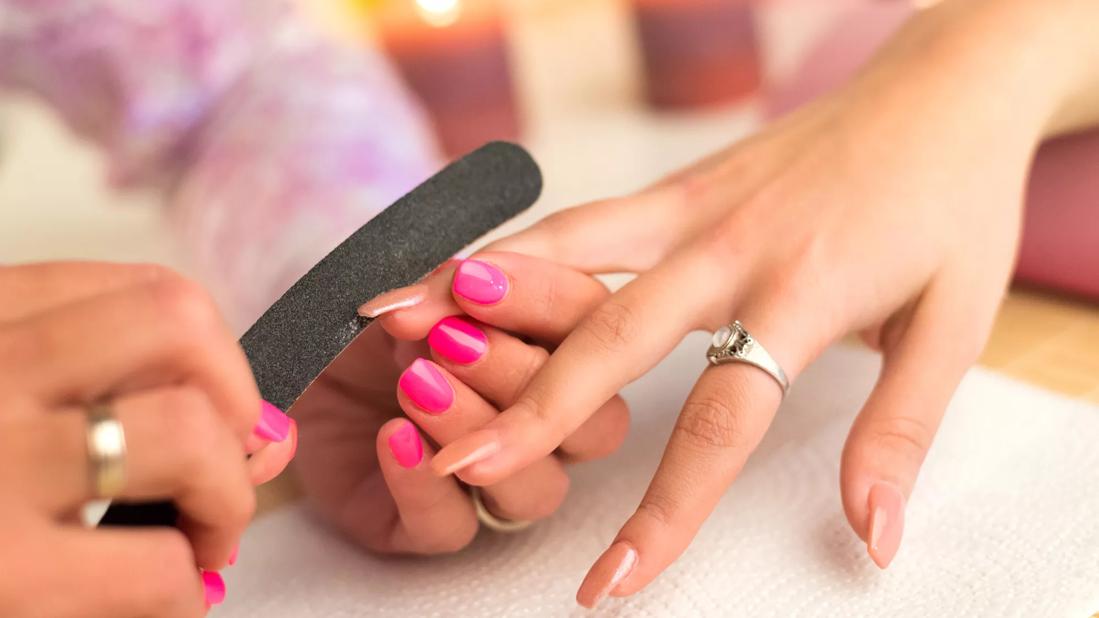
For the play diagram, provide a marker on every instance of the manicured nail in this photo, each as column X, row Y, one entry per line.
column 886, row 506
column 401, row 298
column 273, row 425
column 614, row 566
column 465, row 452
column 215, row 587
column 480, row 282
column 457, row 340
column 407, row 447
column 233, row 556
column 426, row 387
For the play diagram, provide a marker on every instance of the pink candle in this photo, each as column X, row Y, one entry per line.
column 698, row 52
column 453, row 55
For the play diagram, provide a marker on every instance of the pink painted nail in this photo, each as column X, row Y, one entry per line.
column 215, row 587
column 407, row 447
column 457, row 340
column 611, row 569
column 273, row 425
column 480, row 282
column 426, row 387
column 233, row 556
column 886, row 506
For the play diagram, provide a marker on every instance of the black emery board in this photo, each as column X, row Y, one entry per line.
column 299, row 335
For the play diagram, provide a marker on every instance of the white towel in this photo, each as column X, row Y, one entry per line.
column 1004, row 522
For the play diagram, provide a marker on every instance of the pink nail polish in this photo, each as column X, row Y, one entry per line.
column 480, row 282
column 273, row 425
column 233, row 556
column 457, row 340
column 406, row 445
column 886, row 506
column 426, row 387
column 215, row 587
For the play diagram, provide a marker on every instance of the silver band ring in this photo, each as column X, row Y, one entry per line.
column 106, row 453
column 491, row 521
column 733, row 344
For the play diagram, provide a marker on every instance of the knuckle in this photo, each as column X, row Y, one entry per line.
column 709, row 422
column 186, row 305
column 453, row 540
column 175, row 580
column 536, row 358
column 658, row 508
column 904, row 435
column 612, row 325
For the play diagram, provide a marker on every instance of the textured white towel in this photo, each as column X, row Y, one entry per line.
column 1004, row 522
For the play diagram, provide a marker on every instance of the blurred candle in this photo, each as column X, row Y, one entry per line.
column 697, row 52
column 453, row 55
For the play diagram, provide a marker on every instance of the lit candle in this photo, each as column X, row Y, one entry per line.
column 698, row 52
column 453, row 55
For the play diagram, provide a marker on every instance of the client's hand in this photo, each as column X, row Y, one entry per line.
column 141, row 347
column 370, row 423
column 890, row 207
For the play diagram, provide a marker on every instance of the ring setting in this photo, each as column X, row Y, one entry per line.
column 734, row 344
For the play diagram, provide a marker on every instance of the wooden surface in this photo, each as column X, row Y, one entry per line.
column 1040, row 338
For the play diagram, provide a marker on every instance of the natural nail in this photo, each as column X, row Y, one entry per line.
column 426, row 387
column 611, row 569
column 401, row 298
column 215, row 587
column 233, row 556
column 474, row 448
column 480, row 282
column 457, row 340
column 406, row 445
column 886, row 524
column 273, row 425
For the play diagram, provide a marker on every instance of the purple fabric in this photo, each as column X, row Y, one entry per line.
column 271, row 143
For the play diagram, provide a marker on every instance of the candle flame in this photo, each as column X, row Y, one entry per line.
column 439, row 13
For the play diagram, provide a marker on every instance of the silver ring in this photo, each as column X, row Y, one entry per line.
column 733, row 344
column 491, row 521
column 106, row 453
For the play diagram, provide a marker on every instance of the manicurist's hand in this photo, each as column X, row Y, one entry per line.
column 445, row 357
column 890, row 208
column 136, row 350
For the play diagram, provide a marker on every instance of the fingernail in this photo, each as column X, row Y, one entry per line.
column 233, row 556
column 406, row 445
column 273, row 425
column 215, row 587
column 457, row 340
column 401, row 298
column 465, row 452
column 614, row 566
column 480, row 282
column 426, row 387
column 886, row 506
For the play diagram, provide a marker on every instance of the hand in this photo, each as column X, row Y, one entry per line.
column 151, row 346
column 890, row 208
column 488, row 325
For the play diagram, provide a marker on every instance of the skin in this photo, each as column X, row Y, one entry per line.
column 350, row 412
column 890, row 208
column 176, row 373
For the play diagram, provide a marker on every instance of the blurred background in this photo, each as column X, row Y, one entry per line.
column 239, row 140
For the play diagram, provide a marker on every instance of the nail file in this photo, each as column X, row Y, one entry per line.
column 299, row 335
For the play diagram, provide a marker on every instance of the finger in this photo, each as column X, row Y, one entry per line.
column 268, row 462
column 110, row 573
column 37, row 287
column 177, row 447
column 166, row 332
column 626, row 234
column 408, row 313
column 522, row 294
column 892, row 434
column 435, row 514
column 617, row 343
column 447, row 409
column 498, row 367
column 723, row 420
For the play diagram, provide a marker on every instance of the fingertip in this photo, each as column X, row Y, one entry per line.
column 405, row 443
column 612, row 568
column 885, row 506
